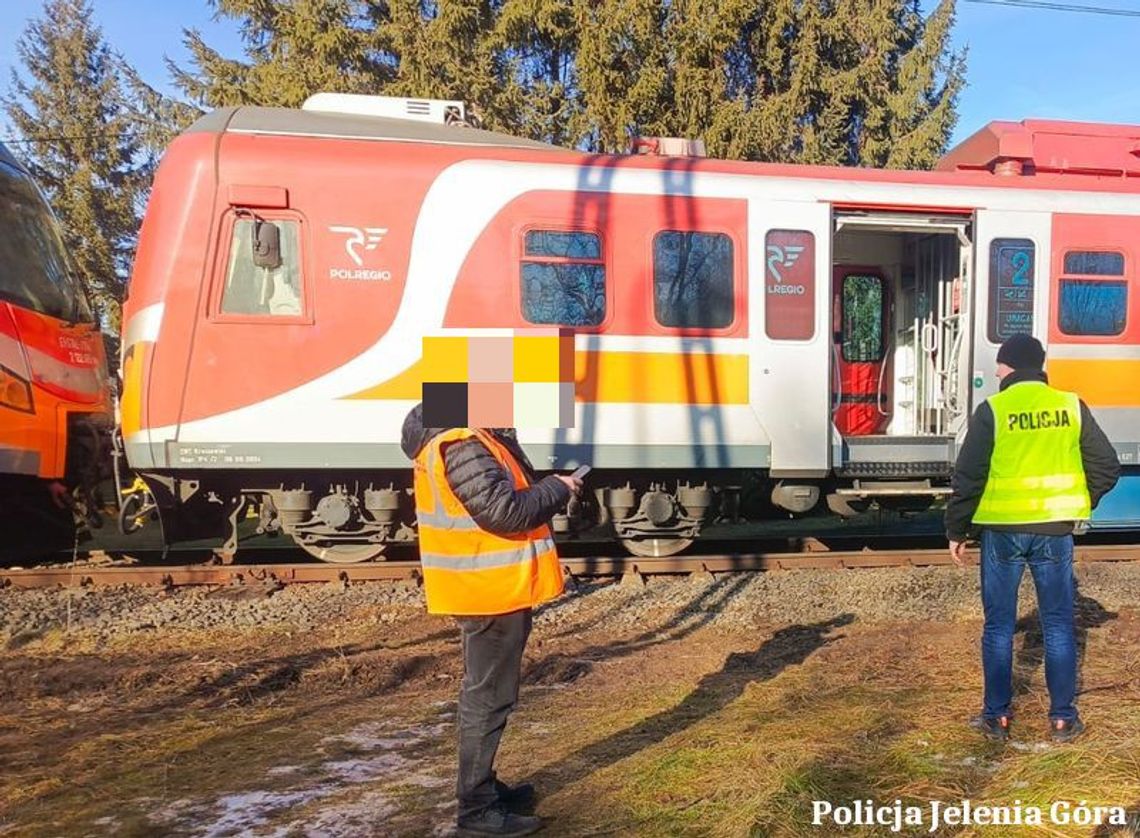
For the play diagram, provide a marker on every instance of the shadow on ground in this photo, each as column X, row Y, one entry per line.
column 787, row 647
column 562, row 668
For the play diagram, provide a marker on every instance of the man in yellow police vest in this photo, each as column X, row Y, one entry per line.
column 1033, row 463
column 488, row 558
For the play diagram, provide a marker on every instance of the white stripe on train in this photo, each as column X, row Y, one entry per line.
column 465, row 199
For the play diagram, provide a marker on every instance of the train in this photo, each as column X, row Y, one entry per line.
column 56, row 394
column 816, row 337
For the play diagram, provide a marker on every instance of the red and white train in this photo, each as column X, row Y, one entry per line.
column 821, row 332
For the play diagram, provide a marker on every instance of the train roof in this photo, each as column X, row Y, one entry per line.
column 288, row 121
column 10, row 159
column 1049, row 146
column 1055, row 154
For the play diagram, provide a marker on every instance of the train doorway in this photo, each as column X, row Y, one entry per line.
column 900, row 341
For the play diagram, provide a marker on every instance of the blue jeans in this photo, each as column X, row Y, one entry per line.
column 1050, row 560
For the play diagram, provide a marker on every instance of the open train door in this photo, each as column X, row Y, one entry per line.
column 1012, row 289
column 790, row 307
column 861, row 318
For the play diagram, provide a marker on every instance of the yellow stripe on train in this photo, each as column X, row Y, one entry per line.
column 630, row 377
column 1101, row 383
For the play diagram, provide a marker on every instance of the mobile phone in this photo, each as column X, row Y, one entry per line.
column 581, row 472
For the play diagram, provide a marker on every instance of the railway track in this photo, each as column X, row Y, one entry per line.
column 94, row 573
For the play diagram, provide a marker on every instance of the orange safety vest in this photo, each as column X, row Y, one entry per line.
column 467, row 570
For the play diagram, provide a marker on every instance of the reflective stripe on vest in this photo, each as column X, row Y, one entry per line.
column 1036, row 472
column 437, row 518
column 468, row 570
column 485, row 560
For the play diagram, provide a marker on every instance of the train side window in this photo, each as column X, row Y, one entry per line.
column 693, row 279
column 563, row 278
column 1094, row 263
column 1011, row 288
column 1092, row 307
column 263, row 291
column 862, row 319
column 789, row 285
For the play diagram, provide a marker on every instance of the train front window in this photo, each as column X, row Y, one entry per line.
column 263, row 291
column 34, row 270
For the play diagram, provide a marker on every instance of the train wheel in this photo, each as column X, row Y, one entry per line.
column 656, row 548
column 344, row 553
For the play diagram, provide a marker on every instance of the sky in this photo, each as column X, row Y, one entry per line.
column 1022, row 63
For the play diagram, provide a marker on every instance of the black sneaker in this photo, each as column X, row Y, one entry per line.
column 995, row 729
column 498, row 821
column 519, row 799
column 1066, row 731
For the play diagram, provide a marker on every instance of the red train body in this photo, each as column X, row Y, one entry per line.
column 814, row 331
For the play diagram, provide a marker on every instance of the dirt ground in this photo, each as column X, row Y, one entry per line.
column 718, row 706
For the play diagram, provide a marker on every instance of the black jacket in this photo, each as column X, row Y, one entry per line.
column 483, row 486
column 1102, row 468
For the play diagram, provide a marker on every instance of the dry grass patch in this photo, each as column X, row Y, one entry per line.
column 843, row 714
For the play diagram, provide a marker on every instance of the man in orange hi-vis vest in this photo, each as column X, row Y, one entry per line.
column 488, row 558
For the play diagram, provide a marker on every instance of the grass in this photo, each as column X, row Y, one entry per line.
column 838, row 728
column 715, row 733
column 113, row 735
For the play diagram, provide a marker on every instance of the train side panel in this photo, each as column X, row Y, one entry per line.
column 298, row 364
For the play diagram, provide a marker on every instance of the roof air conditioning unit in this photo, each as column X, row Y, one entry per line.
column 439, row 111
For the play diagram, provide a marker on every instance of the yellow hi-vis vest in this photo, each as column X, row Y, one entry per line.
column 1036, row 472
column 467, row 570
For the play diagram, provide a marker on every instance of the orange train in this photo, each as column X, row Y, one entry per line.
column 56, row 409
column 819, row 334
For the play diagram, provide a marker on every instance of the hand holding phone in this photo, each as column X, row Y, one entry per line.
column 574, row 481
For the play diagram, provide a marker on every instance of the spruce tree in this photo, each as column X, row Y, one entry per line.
column 293, row 48
column 444, row 50
column 81, row 144
column 622, row 72
column 851, row 82
column 536, row 44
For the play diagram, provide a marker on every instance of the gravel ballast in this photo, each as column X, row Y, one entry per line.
column 728, row 600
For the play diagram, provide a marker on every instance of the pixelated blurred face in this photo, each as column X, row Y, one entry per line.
column 519, row 380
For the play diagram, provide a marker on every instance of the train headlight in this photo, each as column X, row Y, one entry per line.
column 15, row 392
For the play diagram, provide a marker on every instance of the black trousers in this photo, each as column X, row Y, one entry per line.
column 492, row 663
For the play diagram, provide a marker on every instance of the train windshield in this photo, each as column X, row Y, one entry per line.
column 34, row 270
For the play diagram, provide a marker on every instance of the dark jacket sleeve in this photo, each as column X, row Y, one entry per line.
column 970, row 473
column 1102, row 466
column 486, row 491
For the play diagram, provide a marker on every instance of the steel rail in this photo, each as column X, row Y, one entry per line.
column 288, row 573
column 203, row 574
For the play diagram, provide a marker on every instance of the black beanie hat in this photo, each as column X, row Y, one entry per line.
column 1022, row 352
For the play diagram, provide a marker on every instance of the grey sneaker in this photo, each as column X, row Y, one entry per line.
column 1066, row 731
column 994, row 729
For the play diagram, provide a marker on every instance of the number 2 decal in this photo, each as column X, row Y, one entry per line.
column 1020, row 262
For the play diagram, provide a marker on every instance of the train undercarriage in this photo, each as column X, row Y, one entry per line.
column 652, row 514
